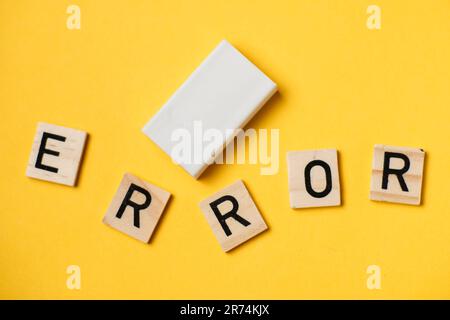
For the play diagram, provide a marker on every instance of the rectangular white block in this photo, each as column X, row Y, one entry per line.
column 222, row 94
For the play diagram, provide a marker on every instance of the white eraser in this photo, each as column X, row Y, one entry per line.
column 219, row 97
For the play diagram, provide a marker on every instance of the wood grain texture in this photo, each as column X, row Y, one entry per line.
column 247, row 210
column 149, row 216
column 298, row 194
column 413, row 177
column 66, row 162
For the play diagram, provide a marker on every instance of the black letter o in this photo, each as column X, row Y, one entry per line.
column 308, row 186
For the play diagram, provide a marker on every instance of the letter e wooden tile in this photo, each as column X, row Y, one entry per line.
column 56, row 154
column 233, row 216
column 136, row 208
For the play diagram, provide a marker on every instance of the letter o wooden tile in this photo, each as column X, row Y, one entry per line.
column 313, row 177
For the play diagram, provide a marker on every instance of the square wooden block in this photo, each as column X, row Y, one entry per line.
column 56, row 154
column 397, row 174
column 136, row 208
column 233, row 216
column 313, row 178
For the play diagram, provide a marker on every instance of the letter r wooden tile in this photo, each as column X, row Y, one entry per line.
column 56, row 154
column 136, row 208
column 397, row 174
column 313, row 177
column 233, row 216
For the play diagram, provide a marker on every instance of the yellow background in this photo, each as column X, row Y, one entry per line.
column 341, row 86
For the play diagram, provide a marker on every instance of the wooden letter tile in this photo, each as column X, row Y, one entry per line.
column 233, row 216
column 136, row 208
column 56, row 154
column 397, row 174
column 313, row 178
